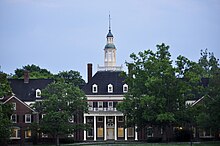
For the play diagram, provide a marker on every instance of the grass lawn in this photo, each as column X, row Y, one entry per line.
column 151, row 144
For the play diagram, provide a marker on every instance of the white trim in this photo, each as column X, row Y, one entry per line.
column 105, row 98
column 26, row 115
column 94, row 128
column 15, row 118
column 125, row 86
column 19, row 101
column 38, row 91
column 110, row 88
column 84, row 121
column 102, row 114
column 94, row 86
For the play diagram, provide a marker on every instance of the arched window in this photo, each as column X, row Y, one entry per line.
column 110, row 88
column 94, row 88
column 125, row 88
column 38, row 93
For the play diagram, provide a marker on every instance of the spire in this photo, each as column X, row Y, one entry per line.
column 109, row 22
column 109, row 31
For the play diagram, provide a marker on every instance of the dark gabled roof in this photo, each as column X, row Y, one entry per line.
column 102, row 79
column 27, row 91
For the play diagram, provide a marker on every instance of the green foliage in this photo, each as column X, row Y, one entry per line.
column 35, row 72
column 70, row 77
column 62, row 101
column 5, row 88
column 5, row 122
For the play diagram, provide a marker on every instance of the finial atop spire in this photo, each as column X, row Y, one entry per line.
column 109, row 22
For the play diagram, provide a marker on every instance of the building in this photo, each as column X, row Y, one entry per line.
column 103, row 91
column 25, row 91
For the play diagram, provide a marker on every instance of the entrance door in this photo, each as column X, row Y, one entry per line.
column 110, row 133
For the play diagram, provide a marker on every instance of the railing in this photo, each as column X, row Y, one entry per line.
column 113, row 68
column 102, row 109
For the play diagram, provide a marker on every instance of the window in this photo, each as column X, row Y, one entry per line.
column 90, row 132
column 100, row 132
column 38, row 93
column 131, row 132
column 110, row 88
column 42, row 116
column 94, row 88
column 28, row 118
column 71, row 119
column 13, row 106
column 121, row 132
column 120, row 119
column 90, row 104
column 28, row 133
column 149, row 132
column 110, row 104
column 100, row 119
column 125, row 88
column 15, row 133
column 14, row 118
column 90, row 119
column 100, row 104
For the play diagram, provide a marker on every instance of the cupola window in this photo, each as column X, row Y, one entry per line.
column 110, row 88
column 94, row 88
column 38, row 93
column 125, row 88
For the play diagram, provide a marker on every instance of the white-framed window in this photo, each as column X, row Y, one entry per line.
column 90, row 119
column 100, row 104
column 110, row 88
column 131, row 132
column 13, row 106
column 28, row 133
column 14, row 118
column 100, row 119
column 90, row 132
column 94, row 88
column 90, row 104
column 15, row 133
column 38, row 93
column 71, row 119
column 110, row 104
column 27, row 118
column 150, row 132
column 125, row 88
column 42, row 116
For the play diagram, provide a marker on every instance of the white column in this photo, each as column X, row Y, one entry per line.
column 136, row 134
column 105, row 130
column 94, row 128
column 84, row 130
column 126, row 134
column 116, row 129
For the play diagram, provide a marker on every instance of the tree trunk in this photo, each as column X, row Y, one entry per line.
column 57, row 141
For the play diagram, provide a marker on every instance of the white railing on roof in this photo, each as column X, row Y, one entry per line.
column 110, row 68
column 102, row 109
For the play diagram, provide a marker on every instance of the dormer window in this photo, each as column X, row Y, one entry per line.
column 110, row 88
column 94, row 88
column 125, row 88
column 38, row 93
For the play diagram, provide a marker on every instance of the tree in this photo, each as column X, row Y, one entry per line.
column 70, row 77
column 5, row 88
column 5, row 123
column 153, row 90
column 62, row 101
column 35, row 72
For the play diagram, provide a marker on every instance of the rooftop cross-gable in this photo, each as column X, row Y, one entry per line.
column 102, row 79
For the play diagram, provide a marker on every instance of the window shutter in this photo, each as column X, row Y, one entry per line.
column 17, row 118
column 32, row 118
column 23, row 118
column 105, row 104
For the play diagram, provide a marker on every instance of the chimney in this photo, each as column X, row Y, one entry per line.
column 89, row 70
column 26, row 76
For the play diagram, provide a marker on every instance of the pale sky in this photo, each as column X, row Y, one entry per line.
column 62, row 35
